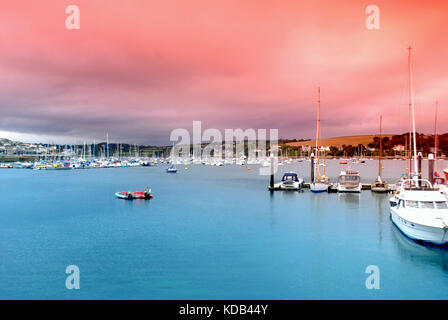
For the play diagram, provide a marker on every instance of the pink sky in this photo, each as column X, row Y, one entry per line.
column 139, row 69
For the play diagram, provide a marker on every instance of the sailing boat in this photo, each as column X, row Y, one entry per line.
column 379, row 186
column 417, row 209
column 171, row 169
column 320, row 183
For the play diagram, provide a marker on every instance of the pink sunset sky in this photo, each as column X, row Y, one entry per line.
column 139, row 68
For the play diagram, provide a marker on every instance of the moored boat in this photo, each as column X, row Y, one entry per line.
column 420, row 211
column 349, row 181
column 320, row 182
column 171, row 169
column 318, row 187
column 379, row 186
column 290, row 181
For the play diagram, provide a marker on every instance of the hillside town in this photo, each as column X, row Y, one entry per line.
column 392, row 146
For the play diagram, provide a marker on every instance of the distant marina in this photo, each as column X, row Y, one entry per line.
column 89, row 161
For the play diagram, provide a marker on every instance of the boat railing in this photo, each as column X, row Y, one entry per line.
column 417, row 184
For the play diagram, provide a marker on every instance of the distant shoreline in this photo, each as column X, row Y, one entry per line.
column 14, row 158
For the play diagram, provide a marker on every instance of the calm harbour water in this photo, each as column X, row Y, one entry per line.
column 209, row 233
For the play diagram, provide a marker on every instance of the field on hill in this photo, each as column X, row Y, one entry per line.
column 339, row 141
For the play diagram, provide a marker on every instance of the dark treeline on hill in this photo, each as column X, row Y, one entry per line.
column 281, row 141
column 391, row 146
column 425, row 143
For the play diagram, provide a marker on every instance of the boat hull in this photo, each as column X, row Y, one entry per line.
column 341, row 188
column 379, row 189
column 293, row 186
column 415, row 231
column 319, row 187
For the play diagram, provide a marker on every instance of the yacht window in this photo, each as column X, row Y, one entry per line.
column 427, row 204
column 441, row 205
column 412, row 204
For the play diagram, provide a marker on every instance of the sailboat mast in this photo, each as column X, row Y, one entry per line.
column 436, row 140
column 406, row 155
column 409, row 145
column 381, row 150
column 318, row 118
column 318, row 130
column 411, row 103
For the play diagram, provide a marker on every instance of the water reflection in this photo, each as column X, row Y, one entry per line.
column 380, row 200
column 281, row 197
column 136, row 204
column 350, row 198
column 319, row 207
column 271, row 208
column 418, row 252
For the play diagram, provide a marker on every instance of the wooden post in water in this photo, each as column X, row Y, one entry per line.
column 272, row 172
column 431, row 168
column 312, row 167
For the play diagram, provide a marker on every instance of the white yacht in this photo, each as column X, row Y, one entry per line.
column 349, row 181
column 290, row 181
column 420, row 211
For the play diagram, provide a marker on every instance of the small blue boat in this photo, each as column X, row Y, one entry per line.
column 171, row 169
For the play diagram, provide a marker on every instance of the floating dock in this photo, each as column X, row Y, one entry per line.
column 331, row 189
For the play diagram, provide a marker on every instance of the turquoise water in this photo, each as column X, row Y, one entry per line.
column 209, row 233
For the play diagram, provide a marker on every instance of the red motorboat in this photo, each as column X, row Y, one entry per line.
column 131, row 195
